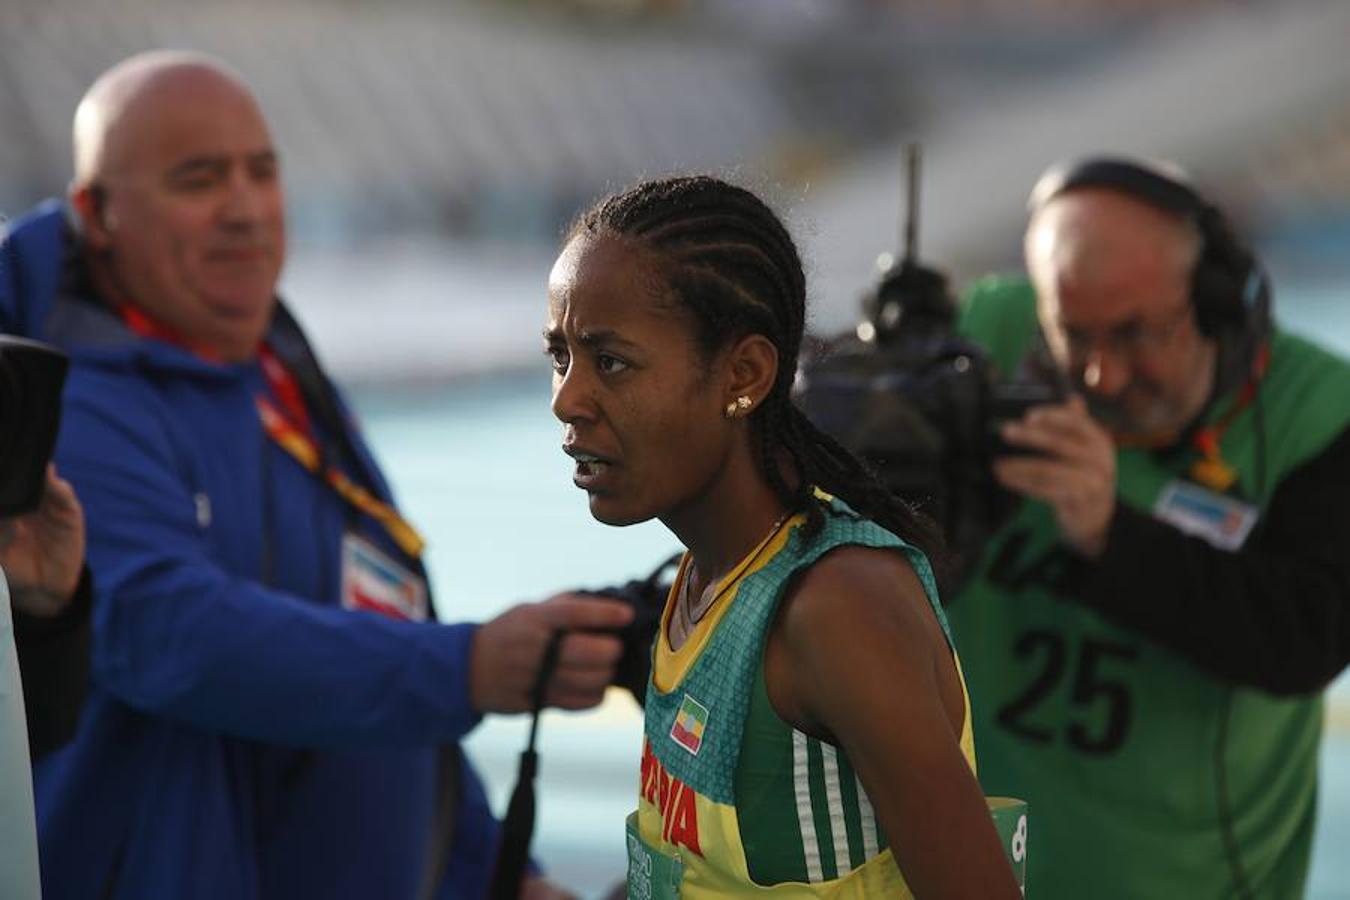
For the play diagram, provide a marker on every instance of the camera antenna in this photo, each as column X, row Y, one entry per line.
column 910, row 234
column 910, row 296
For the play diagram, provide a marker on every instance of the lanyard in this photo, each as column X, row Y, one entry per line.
column 290, row 429
column 1211, row 469
column 303, row 450
column 140, row 322
column 285, row 390
column 513, row 851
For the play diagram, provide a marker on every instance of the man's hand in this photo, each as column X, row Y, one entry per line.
column 1074, row 470
column 507, row 652
column 42, row 552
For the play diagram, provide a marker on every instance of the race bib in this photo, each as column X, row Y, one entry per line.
column 1222, row 521
column 652, row 875
column 374, row 582
column 1010, row 821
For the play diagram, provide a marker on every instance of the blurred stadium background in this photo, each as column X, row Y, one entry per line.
column 433, row 151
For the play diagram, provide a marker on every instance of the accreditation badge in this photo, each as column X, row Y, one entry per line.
column 374, row 582
column 1221, row 520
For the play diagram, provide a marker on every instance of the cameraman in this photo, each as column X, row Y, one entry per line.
column 46, row 586
column 1147, row 638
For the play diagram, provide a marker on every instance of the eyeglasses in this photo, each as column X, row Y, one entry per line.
column 1137, row 338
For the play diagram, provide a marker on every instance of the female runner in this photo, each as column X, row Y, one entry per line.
column 807, row 730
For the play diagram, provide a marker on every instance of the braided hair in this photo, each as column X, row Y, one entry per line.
column 733, row 265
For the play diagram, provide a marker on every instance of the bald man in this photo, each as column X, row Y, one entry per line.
column 1147, row 639
column 274, row 713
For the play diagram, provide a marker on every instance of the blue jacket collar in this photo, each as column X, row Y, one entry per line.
column 41, row 296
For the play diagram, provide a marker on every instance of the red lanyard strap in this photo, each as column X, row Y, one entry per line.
column 1211, row 469
column 303, row 450
column 293, row 438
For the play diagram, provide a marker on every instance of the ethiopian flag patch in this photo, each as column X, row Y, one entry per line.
column 689, row 724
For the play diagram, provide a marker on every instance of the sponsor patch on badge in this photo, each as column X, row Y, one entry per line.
column 373, row 582
column 689, row 724
column 1223, row 521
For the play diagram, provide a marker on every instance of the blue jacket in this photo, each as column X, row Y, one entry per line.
column 245, row 737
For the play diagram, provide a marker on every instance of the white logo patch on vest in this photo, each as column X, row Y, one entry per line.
column 1222, row 521
column 373, row 582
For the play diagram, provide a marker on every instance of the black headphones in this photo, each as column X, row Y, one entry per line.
column 1229, row 288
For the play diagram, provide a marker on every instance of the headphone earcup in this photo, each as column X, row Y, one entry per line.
column 1217, row 297
column 1229, row 290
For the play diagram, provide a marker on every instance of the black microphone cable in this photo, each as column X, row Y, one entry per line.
column 513, row 853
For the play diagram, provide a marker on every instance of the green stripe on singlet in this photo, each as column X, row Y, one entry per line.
column 838, row 813
column 808, row 863
column 804, row 851
column 848, row 787
column 820, row 811
column 843, row 832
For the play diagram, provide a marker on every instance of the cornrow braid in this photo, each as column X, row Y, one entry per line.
column 731, row 261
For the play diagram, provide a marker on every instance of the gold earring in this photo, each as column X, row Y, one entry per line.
column 738, row 406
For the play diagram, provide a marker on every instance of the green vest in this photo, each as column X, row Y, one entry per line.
column 1130, row 755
